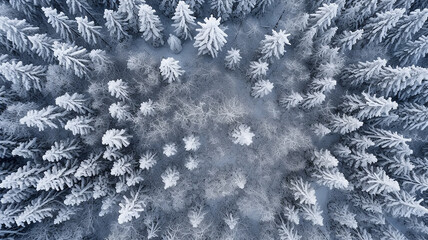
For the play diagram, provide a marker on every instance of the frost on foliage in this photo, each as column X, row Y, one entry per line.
column 89, row 167
column 25, row 176
column 112, row 153
column 302, row 191
column 390, row 233
column 191, row 143
column 67, row 149
column 403, row 204
column 363, row 72
column 239, row 179
column 120, row 111
column 16, row 195
column 183, row 20
column 210, row 38
column 170, row 70
column 261, row 88
column 28, row 76
column 37, row 210
column 115, row 24
column 231, row 221
column 274, row 45
column 258, row 69
column 398, row 165
column 72, row 57
column 60, row 22
column 320, row 130
column 79, row 194
column 291, row 213
column 147, row 108
column 376, row 181
column 242, row 135
column 323, row 17
column 82, row 125
column 78, row 6
column 148, row 160
column 17, row 32
column 196, row 216
column 116, row 138
column 58, row 177
column 118, row 89
column 41, row 44
column 313, row 213
column 386, row 139
column 222, row 8
column 88, row 30
column 131, row 207
column 413, row 51
column 348, row 39
column 122, row 166
column 170, row 177
column 367, row 106
column 311, row 100
column 174, row 43
column 377, row 27
column 43, row 118
column 29, row 149
column 286, row 231
column 341, row 214
column 64, row 214
column 291, row 100
column 170, row 149
column 232, row 59
column 344, row 124
column 323, row 158
column 361, row 158
column 191, row 163
column 150, row 24
column 75, row 102
column 322, row 85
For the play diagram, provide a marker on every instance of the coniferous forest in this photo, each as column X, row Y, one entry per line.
column 214, row 119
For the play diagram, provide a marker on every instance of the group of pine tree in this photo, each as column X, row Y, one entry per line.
column 378, row 164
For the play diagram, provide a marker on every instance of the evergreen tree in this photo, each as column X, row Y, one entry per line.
column 170, row 70
column 120, row 111
column 323, row 17
column 64, row 214
column 375, row 181
column 341, row 214
column 130, row 207
column 170, row 177
column 324, row 159
column 348, row 39
column 291, row 100
column 89, row 167
column 274, row 45
column 261, row 88
column 242, row 135
column 244, row 7
column 398, row 165
column 344, row 124
column 118, row 89
column 313, row 213
column 183, row 20
column 88, row 30
column 170, row 149
column 67, row 149
column 148, row 160
column 403, row 204
column 61, row 23
column 115, row 24
column 261, row 5
column 75, row 102
column 413, row 51
column 122, row 166
column 363, row 72
column 191, row 143
column 311, row 100
column 210, row 38
column 302, row 191
column 24, row 177
column 377, row 27
column 79, row 194
column 78, row 6
column 27, row 76
column 43, row 118
column 232, row 59
column 174, row 44
column 367, row 106
column 72, row 57
column 150, row 24
column 386, row 139
column 324, row 85
column 42, row 44
column 116, row 138
column 28, row 149
column 222, row 8
column 331, row 177
column 17, row 32
column 80, row 125
column 58, row 177
column 258, row 69
column 147, row 108
column 361, row 158
column 37, row 210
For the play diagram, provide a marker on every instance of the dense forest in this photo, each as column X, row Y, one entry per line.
column 214, row 119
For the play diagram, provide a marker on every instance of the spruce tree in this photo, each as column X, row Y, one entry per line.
column 150, row 25
column 210, row 38
column 183, row 20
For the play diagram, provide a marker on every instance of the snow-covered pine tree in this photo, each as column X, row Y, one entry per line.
column 79, row 6
column 64, row 149
column 331, row 178
column 116, row 138
column 375, row 181
column 169, row 149
column 274, row 45
column 170, row 70
column 291, row 100
column 324, row 85
column 122, row 166
column 344, row 124
column 415, row 182
column 115, row 24
column 148, row 160
column 386, row 139
column 242, row 135
column 363, row 72
column 323, row 17
column 120, row 111
column 406, row 28
column 397, row 165
column 89, row 167
column 377, row 27
column 232, row 59
column 79, row 193
column 170, row 177
column 361, row 158
column 64, row 214
column 150, row 25
column 61, row 23
column 324, row 159
column 41, row 44
column 313, row 213
column 29, row 149
column 403, row 204
column 191, row 163
column 244, row 7
column 168, row 6
column 302, row 191
column 210, row 38
column 24, row 177
column 37, row 210
column 43, row 118
column 196, row 216
column 222, row 8
column 80, row 125
column 88, row 30
column 147, row 108
column 367, row 106
column 320, row 129
column 118, row 89
column 184, row 20
column 58, row 177
column 17, row 195
column 27, row 76
column 312, row 99
column 16, row 32
column 174, row 44
column 75, row 102
column 131, row 207
column 341, row 214
column 72, row 57
column 191, row 143
column 348, row 39
column 261, row 88
column 258, row 69
column 412, row 51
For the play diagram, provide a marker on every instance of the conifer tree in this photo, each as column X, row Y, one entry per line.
column 386, row 139
column 43, row 118
column 258, row 69
column 302, row 191
column 312, row 99
column 116, row 138
column 232, row 59
column 24, row 177
column 79, row 193
column 61, row 23
column 120, row 111
column 367, row 106
column 122, row 166
column 174, row 43
column 150, row 24
column 118, row 89
column 67, row 149
column 344, row 124
column 17, row 32
column 324, row 159
column 324, row 85
column 80, row 125
column 291, row 100
column 147, row 108
column 348, row 39
column 130, row 207
column 170, row 70
column 341, row 214
column 58, row 177
column 331, row 177
column 37, row 210
column 75, row 102
column 89, row 167
column 313, row 213
column 242, row 135
column 261, row 88
column 170, row 177
column 376, row 181
column 72, row 57
column 191, row 143
column 148, row 160
column 183, row 20
column 27, row 76
column 88, row 30
column 403, row 204
column 413, row 51
column 244, row 7
column 28, row 149
column 323, row 17
column 361, row 158
column 222, row 8
column 274, row 45
column 78, row 6
column 170, row 149
column 363, row 72
column 42, row 44
column 210, row 38
column 115, row 24
column 377, row 27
